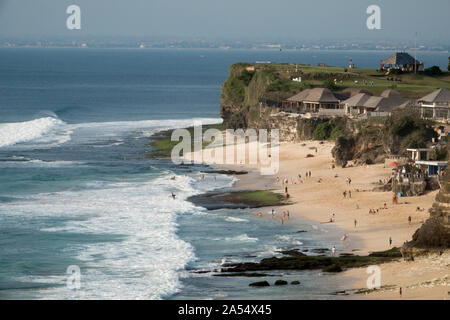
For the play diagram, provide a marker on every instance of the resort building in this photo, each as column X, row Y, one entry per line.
column 420, row 154
column 311, row 100
column 436, row 105
column 363, row 103
column 432, row 167
column 402, row 61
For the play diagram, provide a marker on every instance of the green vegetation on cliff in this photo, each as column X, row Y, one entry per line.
column 372, row 139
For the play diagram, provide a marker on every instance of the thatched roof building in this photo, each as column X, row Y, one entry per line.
column 402, row 61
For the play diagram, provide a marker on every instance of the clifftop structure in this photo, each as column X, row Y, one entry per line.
column 351, row 103
column 363, row 103
column 436, row 105
column 402, row 61
column 311, row 100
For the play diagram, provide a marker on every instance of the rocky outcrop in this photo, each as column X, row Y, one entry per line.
column 435, row 232
column 343, row 151
column 410, row 189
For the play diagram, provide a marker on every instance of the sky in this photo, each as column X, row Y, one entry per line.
column 228, row 19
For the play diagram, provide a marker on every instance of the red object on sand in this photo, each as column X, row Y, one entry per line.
column 394, row 164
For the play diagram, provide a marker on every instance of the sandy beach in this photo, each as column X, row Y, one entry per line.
column 320, row 196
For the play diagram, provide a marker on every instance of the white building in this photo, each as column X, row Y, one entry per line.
column 436, row 105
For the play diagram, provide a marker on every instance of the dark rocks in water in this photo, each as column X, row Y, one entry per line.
column 228, row 172
column 343, row 254
column 293, row 252
column 295, row 282
column 215, row 200
column 304, row 262
column 333, row 268
column 243, row 274
column 320, row 250
column 280, row 283
column 391, row 253
column 260, row 284
column 232, row 199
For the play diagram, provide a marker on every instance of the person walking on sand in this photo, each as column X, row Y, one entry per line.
column 286, row 189
column 344, row 194
column 349, row 194
column 287, row 212
column 390, row 241
column 356, row 222
column 333, row 251
column 409, row 220
column 400, row 291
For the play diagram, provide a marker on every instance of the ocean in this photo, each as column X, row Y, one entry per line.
column 78, row 190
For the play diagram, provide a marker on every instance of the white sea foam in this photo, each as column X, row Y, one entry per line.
column 242, row 237
column 36, row 163
column 51, row 132
column 18, row 132
column 148, row 259
column 233, row 219
column 289, row 239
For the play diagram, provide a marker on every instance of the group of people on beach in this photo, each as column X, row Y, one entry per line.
column 375, row 211
column 273, row 212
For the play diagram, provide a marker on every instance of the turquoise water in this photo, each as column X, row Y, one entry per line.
column 77, row 189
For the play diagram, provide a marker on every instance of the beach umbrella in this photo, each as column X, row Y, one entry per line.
column 394, row 164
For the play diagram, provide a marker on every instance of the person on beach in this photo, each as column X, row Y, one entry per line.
column 356, row 222
column 344, row 194
column 310, row 174
column 344, row 237
column 173, row 196
column 349, row 194
column 286, row 189
column 273, row 212
column 287, row 212
column 385, row 206
column 390, row 241
column 333, row 251
column 400, row 291
column 409, row 220
column 333, row 217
